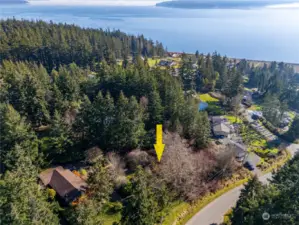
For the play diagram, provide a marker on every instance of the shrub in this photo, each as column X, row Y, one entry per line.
column 83, row 172
column 114, row 207
column 117, row 166
column 137, row 158
column 51, row 193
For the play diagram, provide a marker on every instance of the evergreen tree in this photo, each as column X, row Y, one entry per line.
column 248, row 202
column 15, row 131
column 22, row 201
column 86, row 213
column 141, row 206
column 155, row 110
column 100, row 182
column 58, row 141
column 293, row 132
column 202, row 130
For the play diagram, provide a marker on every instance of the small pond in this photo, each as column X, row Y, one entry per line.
column 202, row 106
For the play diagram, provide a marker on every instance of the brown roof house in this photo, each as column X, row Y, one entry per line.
column 67, row 185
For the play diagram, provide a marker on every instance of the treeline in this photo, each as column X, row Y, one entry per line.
column 213, row 72
column 60, row 44
column 279, row 200
column 278, row 80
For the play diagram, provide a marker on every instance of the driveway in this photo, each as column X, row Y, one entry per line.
column 213, row 212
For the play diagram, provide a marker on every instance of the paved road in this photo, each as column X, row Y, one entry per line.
column 213, row 212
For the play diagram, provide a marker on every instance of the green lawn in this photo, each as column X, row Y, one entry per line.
column 214, row 108
column 175, row 209
column 292, row 114
column 152, row 62
column 109, row 219
column 262, row 148
column 207, row 98
column 233, row 119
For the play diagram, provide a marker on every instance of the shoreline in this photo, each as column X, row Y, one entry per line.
column 254, row 61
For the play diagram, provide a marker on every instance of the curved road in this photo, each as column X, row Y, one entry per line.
column 213, row 212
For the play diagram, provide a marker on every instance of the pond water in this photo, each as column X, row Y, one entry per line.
column 203, row 106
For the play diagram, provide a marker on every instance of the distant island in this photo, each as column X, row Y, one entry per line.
column 227, row 4
column 13, row 1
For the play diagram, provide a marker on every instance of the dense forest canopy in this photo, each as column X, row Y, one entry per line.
column 55, row 44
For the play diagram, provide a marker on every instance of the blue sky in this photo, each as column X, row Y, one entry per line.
column 134, row 2
column 96, row 2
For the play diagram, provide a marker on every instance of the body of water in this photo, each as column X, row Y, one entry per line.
column 262, row 34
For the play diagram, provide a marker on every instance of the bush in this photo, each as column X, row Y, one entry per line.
column 114, row 207
column 137, row 158
column 227, row 217
column 83, row 172
column 51, row 193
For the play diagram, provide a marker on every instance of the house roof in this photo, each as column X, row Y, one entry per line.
column 63, row 181
column 253, row 159
column 221, row 127
column 240, row 150
column 218, row 119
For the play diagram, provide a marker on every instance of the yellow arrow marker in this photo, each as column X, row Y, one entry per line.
column 159, row 146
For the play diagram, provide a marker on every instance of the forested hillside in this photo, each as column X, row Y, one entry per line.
column 55, row 44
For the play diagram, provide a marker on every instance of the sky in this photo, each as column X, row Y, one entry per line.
column 97, row 2
column 135, row 2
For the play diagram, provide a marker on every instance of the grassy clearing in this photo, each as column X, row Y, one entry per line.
column 174, row 211
column 152, row 62
column 109, row 219
column 207, row 98
column 233, row 119
column 214, row 108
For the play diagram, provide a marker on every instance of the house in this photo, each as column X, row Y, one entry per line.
column 67, row 185
column 252, row 160
column 221, row 130
column 167, row 63
column 239, row 150
column 163, row 63
column 218, row 119
column 220, row 126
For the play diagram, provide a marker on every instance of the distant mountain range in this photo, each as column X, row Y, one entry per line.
column 224, row 4
column 13, row 1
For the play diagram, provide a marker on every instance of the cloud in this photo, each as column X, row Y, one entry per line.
column 281, row 6
column 97, row 2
